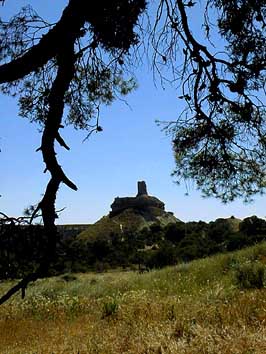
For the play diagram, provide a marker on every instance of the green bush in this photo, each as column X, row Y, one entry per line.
column 110, row 308
column 250, row 276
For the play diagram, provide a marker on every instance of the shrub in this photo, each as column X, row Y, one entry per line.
column 68, row 277
column 228, row 262
column 250, row 276
column 110, row 308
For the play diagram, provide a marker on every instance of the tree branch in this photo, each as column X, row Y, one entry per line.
column 65, row 73
column 22, row 285
column 70, row 23
column 62, row 142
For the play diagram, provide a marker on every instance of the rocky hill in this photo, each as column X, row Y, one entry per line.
column 232, row 223
column 130, row 214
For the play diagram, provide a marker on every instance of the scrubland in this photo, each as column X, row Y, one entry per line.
column 213, row 305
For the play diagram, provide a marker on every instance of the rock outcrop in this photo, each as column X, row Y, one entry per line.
column 130, row 214
column 142, row 202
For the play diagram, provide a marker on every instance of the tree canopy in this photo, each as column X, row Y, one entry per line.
column 219, row 138
column 82, row 61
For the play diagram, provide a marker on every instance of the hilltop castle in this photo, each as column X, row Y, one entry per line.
column 142, row 201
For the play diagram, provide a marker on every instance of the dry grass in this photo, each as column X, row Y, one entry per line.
column 189, row 309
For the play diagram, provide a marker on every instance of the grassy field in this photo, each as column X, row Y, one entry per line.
column 215, row 305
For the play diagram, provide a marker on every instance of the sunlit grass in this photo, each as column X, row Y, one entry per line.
column 191, row 308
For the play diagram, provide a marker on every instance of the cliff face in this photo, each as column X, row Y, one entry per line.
column 142, row 202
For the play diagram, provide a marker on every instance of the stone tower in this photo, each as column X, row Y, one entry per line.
column 142, row 188
column 142, row 201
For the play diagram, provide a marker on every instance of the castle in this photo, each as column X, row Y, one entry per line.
column 142, row 201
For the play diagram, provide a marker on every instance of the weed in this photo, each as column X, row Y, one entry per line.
column 171, row 313
column 229, row 262
column 110, row 308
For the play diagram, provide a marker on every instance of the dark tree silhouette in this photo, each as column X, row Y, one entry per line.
column 219, row 138
column 81, row 54
column 80, row 62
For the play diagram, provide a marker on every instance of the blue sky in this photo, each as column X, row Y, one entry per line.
column 109, row 164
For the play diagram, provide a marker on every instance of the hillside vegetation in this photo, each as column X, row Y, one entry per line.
column 131, row 239
column 213, row 305
column 129, row 221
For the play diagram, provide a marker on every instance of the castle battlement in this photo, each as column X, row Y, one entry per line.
column 142, row 201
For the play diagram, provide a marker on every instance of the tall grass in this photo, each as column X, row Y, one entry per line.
column 191, row 308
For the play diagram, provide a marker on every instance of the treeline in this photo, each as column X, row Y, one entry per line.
column 158, row 246
column 21, row 248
